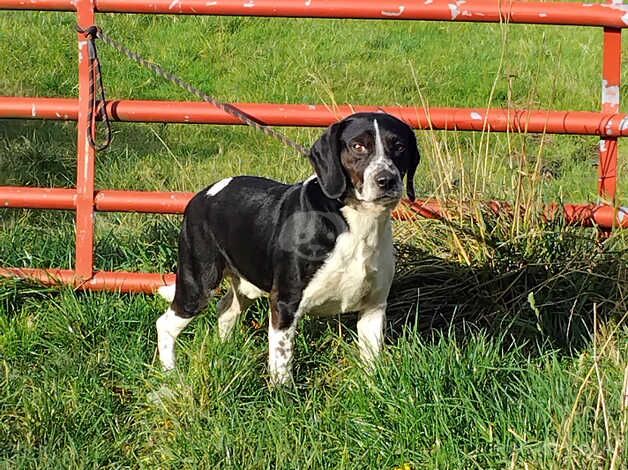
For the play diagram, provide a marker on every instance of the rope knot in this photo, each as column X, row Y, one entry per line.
column 92, row 32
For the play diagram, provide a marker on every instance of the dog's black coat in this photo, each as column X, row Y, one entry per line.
column 239, row 228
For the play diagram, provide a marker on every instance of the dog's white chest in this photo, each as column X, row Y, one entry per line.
column 358, row 271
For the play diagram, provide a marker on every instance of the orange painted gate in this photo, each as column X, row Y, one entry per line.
column 85, row 199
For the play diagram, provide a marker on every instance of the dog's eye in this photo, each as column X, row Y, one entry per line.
column 358, row 147
column 399, row 148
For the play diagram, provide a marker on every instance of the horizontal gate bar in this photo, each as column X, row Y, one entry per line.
column 101, row 280
column 587, row 215
column 463, row 119
column 494, row 11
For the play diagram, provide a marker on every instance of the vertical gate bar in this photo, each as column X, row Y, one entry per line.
column 85, row 153
column 611, row 78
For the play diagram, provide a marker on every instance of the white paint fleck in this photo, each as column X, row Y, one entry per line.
column 81, row 45
column 603, row 145
column 173, row 4
column 216, row 188
column 622, row 213
column 429, row 2
column 211, row 4
column 542, row 15
column 476, row 116
column 249, row 4
column 625, row 18
column 394, row 13
column 308, row 3
column 455, row 11
column 311, row 106
column 58, row 115
column 610, row 94
column 87, row 157
column 623, row 125
column 609, row 127
column 33, row 110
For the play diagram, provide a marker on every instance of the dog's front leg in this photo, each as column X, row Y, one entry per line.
column 282, row 327
column 371, row 334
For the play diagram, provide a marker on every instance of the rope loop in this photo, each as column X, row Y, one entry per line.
column 97, row 108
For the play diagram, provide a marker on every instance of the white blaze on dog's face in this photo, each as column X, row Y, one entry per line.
column 381, row 179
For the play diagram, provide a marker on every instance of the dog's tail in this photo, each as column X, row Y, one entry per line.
column 167, row 292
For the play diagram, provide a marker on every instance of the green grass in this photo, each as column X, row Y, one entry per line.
column 507, row 337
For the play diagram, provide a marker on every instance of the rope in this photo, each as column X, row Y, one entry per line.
column 96, row 108
column 226, row 107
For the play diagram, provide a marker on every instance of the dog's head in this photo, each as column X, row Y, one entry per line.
column 365, row 157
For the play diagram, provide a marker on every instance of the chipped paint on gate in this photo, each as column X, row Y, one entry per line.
column 609, row 127
column 399, row 12
column 454, row 8
column 610, row 95
column 455, row 11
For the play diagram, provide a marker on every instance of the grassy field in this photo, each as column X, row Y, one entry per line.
column 507, row 340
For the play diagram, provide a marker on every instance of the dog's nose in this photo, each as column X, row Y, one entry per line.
column 385, row 180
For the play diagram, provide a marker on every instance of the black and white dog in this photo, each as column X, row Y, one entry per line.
column 320, row 247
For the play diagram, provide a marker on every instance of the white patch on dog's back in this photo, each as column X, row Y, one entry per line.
column 216, row 188
column 359, row 270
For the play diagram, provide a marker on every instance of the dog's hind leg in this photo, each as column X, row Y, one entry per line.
column 200, row 270
column 230, row 308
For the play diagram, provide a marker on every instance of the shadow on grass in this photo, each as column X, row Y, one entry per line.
column 519, row 300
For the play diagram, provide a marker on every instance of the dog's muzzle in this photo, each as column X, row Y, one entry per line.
column 382, row 183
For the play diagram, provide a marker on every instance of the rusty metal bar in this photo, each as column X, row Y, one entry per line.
column 484, row 11
column 155, row 202
column 85, row 153
column 611, row 82
column 101, row 280
column 612, row 124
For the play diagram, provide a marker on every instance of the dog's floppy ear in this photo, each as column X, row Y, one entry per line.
column 325, row 157
column 414, row 158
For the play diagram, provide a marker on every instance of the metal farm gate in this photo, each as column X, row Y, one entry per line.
column 85, row 199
